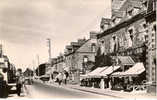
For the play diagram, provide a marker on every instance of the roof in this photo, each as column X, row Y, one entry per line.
column 126, row 60
column 75, row 44
column 68, row 47
column 105, row 20
column 136, row 3
column 86, row 47
column 119, row 14
column 117, row 4
column 137, row 69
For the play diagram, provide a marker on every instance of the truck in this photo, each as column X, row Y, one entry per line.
column 7, row 76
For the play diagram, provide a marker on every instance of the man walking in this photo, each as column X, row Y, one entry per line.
column 20, row 81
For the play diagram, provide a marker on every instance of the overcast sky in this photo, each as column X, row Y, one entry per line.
column 25, row 25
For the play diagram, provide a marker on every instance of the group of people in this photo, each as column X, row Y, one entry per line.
column 62, row 77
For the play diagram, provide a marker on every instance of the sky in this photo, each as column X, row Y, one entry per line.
column 25, row 26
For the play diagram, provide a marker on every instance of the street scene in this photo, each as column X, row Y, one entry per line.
column 83, row 49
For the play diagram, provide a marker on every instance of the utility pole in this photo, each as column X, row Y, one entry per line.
column 38, row 63
column 49, row 50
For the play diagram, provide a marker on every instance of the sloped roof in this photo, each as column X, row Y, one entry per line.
column 136, row 3
column 119, row 14
column 86, row 47
column 105, row 20
column 117, row 4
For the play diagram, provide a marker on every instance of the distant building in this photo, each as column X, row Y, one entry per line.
column 76, row 59
column 28, row 72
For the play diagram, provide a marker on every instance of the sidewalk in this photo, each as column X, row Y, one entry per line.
column 106, row 92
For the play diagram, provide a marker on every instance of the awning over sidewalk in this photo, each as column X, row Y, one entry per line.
column 137, row 69
column 94, row 73
column 97, row 70
column 108, row 70
column 126, row 60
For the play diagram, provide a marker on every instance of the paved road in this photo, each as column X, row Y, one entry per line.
column 39, row 90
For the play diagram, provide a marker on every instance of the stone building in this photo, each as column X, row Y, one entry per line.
column 78, row 58
column 151, row 46
column 128, row 32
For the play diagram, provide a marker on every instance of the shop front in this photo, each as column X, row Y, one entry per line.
column 92, row 79
column 131, row 80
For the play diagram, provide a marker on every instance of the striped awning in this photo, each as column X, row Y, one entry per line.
column 126, row 60
column 108, row 70
column 137, row 69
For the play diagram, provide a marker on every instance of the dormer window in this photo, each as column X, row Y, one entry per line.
column 135, row 11
column 85, row 59
column 93, row 47
column 104, row 27
column 145, row 5
column 131, row 32
column 113, row 22
column 130, row 13
column 102, row 47
column 144, row 25
column 117, row 20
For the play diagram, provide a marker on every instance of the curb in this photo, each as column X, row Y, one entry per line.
column 98, row 93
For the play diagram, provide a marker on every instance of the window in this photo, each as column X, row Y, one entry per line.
column 85, row 59
column 144, row 5
column 93, row 47
column 130, row 13
column 117, row 20
column 153, row 46
column 113, row 22
column 131, row 33
column 144, row 25
column 154, row 28
column 135, row 11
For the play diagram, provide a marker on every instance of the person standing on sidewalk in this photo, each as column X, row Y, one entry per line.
column 20, row 81
column 60, row 78
column 65, row 77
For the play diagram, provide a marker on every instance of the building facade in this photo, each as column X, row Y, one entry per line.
column 128, row 33
column 151, row 46
column 80, row 59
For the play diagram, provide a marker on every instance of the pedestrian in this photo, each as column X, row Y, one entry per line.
column 64, row 78
column 19, row 81
column 60, row 78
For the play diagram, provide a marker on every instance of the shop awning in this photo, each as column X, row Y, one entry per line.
column 126, row 60
column 137, row 69
column 94, row 74
column 109, row 70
